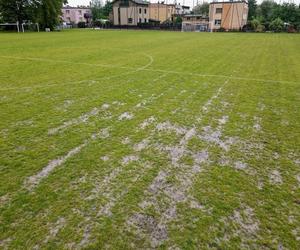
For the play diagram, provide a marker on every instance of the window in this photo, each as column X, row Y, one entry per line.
column 140, row 20
column 188, row 18
column 198, row 18
column 145, row 20
column 140, row 10
column 129, row 20
column 145, row 11
column 219, row 10
column 217, row 22
column 67, row 11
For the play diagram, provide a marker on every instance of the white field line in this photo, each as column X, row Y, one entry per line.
column 132, row 70
column 39, row 59
column 145, row 67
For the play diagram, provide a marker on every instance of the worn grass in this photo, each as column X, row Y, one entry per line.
column 130, row 140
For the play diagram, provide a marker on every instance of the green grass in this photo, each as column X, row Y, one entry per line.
column 216, row 167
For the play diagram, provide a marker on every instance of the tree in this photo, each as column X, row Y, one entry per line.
column 96, row 7
column 252, row 5
column 107, row 9
column 100, row 11
column 201, row 9
column 48, row 12
column 266, row 10
column 14, row 10
column 277, row 25
column 178, row 20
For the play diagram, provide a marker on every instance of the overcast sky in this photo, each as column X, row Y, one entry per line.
column 186, row 2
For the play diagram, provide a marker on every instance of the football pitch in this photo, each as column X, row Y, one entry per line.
column 146, row 139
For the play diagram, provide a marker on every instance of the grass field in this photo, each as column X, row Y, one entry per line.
column 131, row 139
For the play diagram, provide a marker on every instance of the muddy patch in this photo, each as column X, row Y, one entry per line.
column 100, row 185
column 34, row 180
column 125, row 116
column 243, row 224
column 105, row 106
column 246, row 221
column 118, row 103
column 275, row 177
column 4, row 199
column 105, row 158
column 81, row 119
column 104, row 133
column 257, row 123
column 54, row 229
column 167, row 126
column 4, row 244
column 141, row 145
column 148, row 225
column 223, row 120
column 147, row 122
column 126, row 141
column 201, row 157
column 128, row 159
column 214, row 136
column 240, row 165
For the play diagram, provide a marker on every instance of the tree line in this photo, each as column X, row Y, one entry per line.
column 268, row 15
column 273, row 16
column 45, row 12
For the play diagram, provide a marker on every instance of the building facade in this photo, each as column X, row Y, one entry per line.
column 182, row 9
column 76, row 14
column 130, row 12
column 228, row 15
column 161, row 12
column 195, row 23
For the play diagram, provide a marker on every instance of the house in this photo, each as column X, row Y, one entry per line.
column 130, row 12
column 161, row 12
column 76, row 14
column 231, row 15
column 182, row 9
column 195, row 23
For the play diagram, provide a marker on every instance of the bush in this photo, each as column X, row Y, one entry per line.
column 81, row 25
column 254, row 24
column 277, row 25
column 260, row 28
column 97, row 23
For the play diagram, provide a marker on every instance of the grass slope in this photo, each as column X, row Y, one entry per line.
column 123, row 140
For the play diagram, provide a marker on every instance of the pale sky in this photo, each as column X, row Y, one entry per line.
column 185, row 2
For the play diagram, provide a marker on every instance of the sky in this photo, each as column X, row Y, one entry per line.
column 185, row 2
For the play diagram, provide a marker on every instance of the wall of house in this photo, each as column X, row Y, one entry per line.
column 74, row 15
column 161, row 12
column 234, row 15
column 137, row 13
